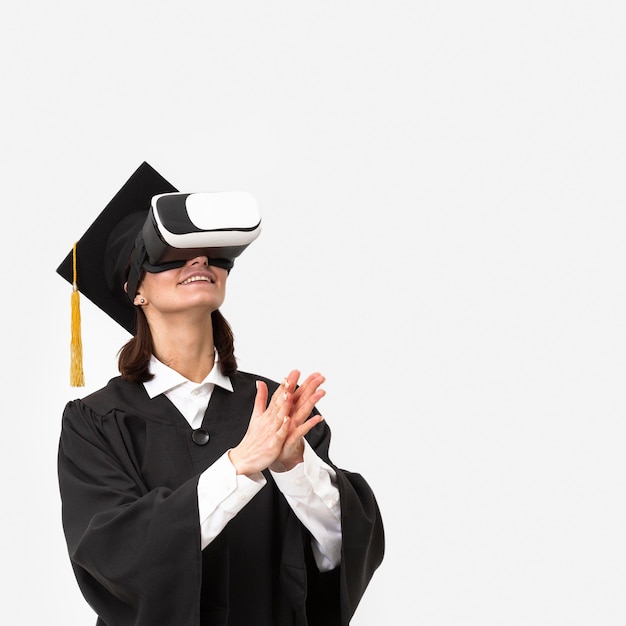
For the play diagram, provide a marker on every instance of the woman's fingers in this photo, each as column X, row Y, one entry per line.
column 260, row 400
column 303, row 429
column 289, row 399
column 279, row 404
column 291, row 380
column 306, row 396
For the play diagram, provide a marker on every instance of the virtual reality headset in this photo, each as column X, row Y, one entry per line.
column 182, row 226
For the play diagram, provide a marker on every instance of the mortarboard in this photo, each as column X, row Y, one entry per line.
column 108, row 239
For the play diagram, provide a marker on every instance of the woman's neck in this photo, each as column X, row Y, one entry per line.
column 186, row 348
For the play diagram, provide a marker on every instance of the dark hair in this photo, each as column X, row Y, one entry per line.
column 134, row 357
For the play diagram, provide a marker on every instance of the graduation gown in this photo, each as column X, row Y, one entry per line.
column 128, row 471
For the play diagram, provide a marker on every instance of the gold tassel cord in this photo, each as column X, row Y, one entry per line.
column 77, row 376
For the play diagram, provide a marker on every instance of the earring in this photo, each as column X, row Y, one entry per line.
column 142, row 301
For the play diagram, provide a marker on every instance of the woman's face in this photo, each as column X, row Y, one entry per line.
column 196, row 284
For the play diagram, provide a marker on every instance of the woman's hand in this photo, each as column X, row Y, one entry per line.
column 266, row 434
column 303, row 400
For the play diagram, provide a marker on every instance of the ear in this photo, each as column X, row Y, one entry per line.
column 137, row 300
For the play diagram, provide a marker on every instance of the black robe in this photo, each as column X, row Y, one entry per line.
column 128, row 473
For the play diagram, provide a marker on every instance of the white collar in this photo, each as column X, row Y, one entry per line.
column 165, row 378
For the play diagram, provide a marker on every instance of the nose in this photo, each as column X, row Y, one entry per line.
column 199, row 260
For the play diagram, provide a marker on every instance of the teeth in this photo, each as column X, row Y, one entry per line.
column 193, row 279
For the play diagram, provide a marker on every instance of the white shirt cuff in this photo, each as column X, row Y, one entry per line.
column 221, row 495
column 310, row 490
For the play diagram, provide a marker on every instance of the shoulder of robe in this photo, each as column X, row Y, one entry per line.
column 118, row 394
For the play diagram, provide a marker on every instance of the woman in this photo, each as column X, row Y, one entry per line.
column 194, row 493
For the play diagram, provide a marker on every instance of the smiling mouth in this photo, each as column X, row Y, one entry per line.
column 195, row 279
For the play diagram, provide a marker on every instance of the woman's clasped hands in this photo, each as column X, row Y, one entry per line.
column 274, row 438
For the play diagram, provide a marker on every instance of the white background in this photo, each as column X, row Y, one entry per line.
column 443, row 191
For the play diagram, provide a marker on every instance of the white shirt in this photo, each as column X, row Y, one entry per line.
column 309, row 488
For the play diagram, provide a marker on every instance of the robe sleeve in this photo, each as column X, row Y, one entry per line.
column 363, row 540
column 135, row 552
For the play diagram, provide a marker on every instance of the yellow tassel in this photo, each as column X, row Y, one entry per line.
column 77, row 377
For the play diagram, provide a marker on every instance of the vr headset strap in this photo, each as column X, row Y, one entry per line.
column 136, row 263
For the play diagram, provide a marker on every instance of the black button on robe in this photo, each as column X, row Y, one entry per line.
column 128, row 473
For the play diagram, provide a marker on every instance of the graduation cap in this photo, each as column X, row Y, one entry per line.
column 150, row 226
